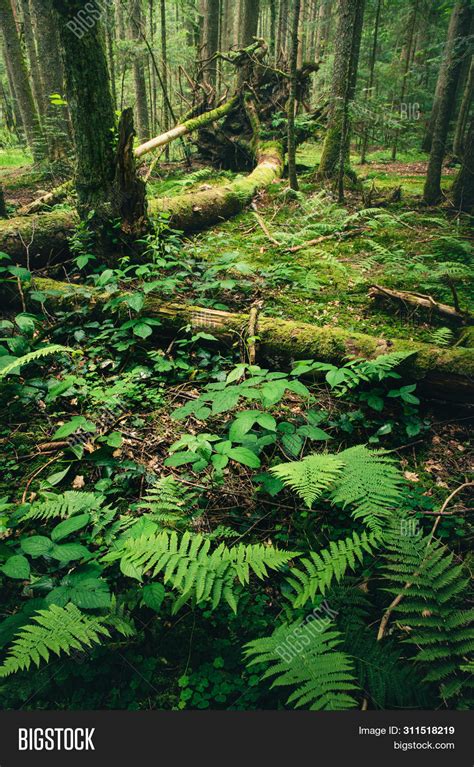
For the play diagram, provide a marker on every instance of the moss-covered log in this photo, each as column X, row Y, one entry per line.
column 47, row 233
column 444, row 373
column 193, row 124
column 197, row 210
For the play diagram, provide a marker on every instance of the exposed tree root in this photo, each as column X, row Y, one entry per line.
column 444, row 373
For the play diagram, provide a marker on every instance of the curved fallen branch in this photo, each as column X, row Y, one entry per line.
column 444, row 373
column 418, row 301
column 195, row 123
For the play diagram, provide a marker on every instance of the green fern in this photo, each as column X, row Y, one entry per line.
column 367, row 480
column 442, row 336
column 169, row 502
column 189, row 566
column 32, row 357
column 429, row 612
column 332, row 563
column 320, row 675
column 371, row 483
column 58, row 630
column 62, row 506
column 311, row 477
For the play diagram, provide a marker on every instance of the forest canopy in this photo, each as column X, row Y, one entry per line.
column 236, row 354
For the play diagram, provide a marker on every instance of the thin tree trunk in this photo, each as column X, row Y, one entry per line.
column 21, row 83
column 292, row 98
column 210, row 40
column 370, row 84
column 406, row 59
column 249, row 21
column 141, row 101
column 164, row 73
column 466, row 101
column 463, row 187
column 30, row 43
column 454, row 53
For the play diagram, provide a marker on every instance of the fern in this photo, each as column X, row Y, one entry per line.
column 332, row 563
column 371, row 483
column 311, row 477
column 428, row 612
column 58, row 630
column 442, row 336
column 62, row 506
column 32, row 357
column 320, row 675
column 366, row 479
column 169, row 502
column 192, row 569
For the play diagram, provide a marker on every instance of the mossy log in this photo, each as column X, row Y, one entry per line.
column 444, row 373
column 193, row 124
column 419, row 301
column 47, row 233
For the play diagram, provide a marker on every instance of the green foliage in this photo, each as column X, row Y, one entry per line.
column 33, row 356
column 192, row 569
column 58, row 630
column 333, row 563
column 63, row 505
column 311, row 477
column 305, row 658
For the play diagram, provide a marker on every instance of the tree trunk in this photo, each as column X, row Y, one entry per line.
column 210, row 40
column 92, row 111
column 141, row 101
column 370, row 84
column 461, row 123
column 249, row 21
column 164, row 72
column 129, row 202
column 447, row 374
column 451, row 67
column 463, row 187
column 30, row 43
column 56, row 120
column 292, row 99
column 23, row 93
column 343, row 84
column 406, row 59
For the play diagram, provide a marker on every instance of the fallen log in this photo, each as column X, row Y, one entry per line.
column 193, row 124
column 47, row 234
column 56, row 195
column 444, row 373
column 419, row 301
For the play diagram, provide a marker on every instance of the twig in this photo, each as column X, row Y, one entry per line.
column 263, row 225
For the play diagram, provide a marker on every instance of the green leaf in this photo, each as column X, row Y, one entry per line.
column 67, row 552
column 114, row 439
column 142, row 330
column 245, row 456
column 219, row 461
column 153, row 595
column 135, row 302
column 17, row 566
column 68, row 428
column 69, row 526
column 37, row 546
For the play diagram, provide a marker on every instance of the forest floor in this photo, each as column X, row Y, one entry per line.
column 126, row 389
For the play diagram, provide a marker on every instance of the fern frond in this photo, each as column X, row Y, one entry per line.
column 311, row 477
column 321, row 569
column 189, row 566
column 67, row 504
column 371, row 483
column 169, row 501
column 32, row 357
column 58, row 630
column 305, row 658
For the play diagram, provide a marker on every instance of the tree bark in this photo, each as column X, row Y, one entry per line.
column 92, row 111
column 56, row 118
column 451, row 67
column 292, row 98
column 341, row 87
column 30, row 43
column 406, row 61
column 250, row 10
column 209, row 40
column 141, row 101
column 23, row 92
column 447, row 374
column 164, row 72
column 463, row 187
column 370, row 84
column 466, row 102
